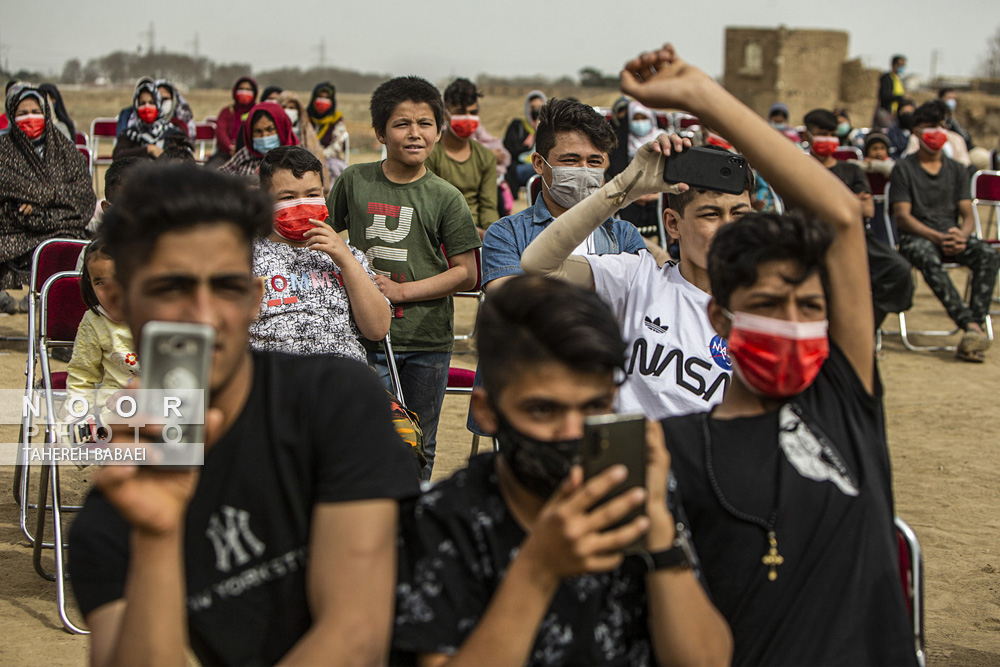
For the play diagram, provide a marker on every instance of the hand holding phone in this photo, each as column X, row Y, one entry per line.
column 610, row 440
column 707, row 169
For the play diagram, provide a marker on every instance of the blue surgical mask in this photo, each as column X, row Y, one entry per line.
column 781, row 127
column 901, row 71
column 843, row 129
column 263, row 144
column 640, row 128
column 951, row 103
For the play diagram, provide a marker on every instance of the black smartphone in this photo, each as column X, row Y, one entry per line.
column 610, row 440
column 176, row 359
column 707, row 169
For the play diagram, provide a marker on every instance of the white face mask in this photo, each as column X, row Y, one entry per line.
column 293, row 115
column 571, row 185
column 166, row 108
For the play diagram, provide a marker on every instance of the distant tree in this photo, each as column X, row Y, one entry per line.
column 990, row 66
column 72, row 71
column 594, row 78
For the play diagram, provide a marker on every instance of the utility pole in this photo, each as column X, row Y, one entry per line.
column 934, row 64
column 322, row 52
column 195, row 44
column 150, row 36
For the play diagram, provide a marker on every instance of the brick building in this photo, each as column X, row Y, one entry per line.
column 805, row 69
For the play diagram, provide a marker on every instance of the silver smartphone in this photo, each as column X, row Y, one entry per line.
column 176, row 361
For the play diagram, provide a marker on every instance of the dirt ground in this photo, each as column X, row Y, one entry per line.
column 945, row 448
column 947, row 479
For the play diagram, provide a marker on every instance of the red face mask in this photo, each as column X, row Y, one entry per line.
column 292, row 218
column 716, row 140
column 148, row 113
column 934, row 138
column 777, row 358
column 322, row 104
column 245, row 96
column 32, row 125
column 464, row 126
column 825, row 146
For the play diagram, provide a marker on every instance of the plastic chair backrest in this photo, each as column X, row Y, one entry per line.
column 847, row 153
column 683, row 121
column 911, row 578
column 53, row 256
column 104, row 127
column 85, row 152
column 62, row 307
column 663, row 120
column 986, row 187
column 204, row 131
column 534, row 188
column 877, row 182
column 82, row 139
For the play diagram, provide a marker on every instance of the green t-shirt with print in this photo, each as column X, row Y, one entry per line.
column 401, row 229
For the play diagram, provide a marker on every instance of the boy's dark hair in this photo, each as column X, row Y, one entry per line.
column 394, row 92
column 944, row 91
column 293, row 158
column 822, row 119
column 96, row 248
column 933, row 112
column 114, row 177
column 534, row 319
column 567, row 116
column 679, row 202
column 743, row 245
column 898, row 58
column 176, row 152
column 462, row 93
column 159, row 199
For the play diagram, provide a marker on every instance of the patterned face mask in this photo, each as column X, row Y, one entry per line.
column 539, row 465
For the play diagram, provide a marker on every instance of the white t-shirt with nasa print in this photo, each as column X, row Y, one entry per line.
column 676, row 362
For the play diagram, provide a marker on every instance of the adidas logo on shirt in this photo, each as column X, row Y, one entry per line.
column 654, row 325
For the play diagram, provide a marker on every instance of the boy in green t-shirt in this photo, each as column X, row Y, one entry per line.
column 401, row 215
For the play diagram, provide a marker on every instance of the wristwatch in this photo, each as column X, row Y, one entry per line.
column 678, row 556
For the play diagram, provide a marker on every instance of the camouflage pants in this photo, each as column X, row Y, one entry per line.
column 978, row 256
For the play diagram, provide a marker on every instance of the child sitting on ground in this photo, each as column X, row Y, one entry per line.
column 319, row 292
column 104, row 358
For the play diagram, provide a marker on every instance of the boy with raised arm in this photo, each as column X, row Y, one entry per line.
column 787, row 482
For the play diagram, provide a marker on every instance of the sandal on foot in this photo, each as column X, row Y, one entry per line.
column 975, row 356
column 974, row 341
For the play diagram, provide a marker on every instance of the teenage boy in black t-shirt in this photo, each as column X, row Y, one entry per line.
column 282, row 546
column 786, row 483
column 929, row 195
column 892, row 285
column 509, row 561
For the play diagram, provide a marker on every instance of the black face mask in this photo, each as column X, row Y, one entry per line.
column 535, row 113
column 539, row 465
column 906, row 121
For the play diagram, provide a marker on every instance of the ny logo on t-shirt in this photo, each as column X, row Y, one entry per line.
column 379, row 230
column 232, row 538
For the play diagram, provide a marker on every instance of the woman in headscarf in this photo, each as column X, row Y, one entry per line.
column 303, row 129
column 61, row 119
column 330, row 127
column 175, row 108
column 45, row 186
column 519, row 140
column 230, row 119
column 148, row 130
column 270, row 94
column 641, row 129
column 267, row 126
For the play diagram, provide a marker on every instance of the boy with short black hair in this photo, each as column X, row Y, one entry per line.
column 929, row 195
column 462, row 161
column 320, row 296
column 401, row 216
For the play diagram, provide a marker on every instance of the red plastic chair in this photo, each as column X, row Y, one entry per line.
column 911, row 575
column 204, row 140
column 62, row 309
column 534, row 188
column 985, row 188
column 82, row 139
column 85, row 152
column 102, row 129
column 663, row 120
column 845, row 153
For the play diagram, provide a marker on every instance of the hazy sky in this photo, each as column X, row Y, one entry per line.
column 438, row 39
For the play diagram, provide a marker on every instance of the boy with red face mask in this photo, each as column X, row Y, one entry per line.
column 462, row 161
column 929, row 195
column 320, row 295
column 786, row 482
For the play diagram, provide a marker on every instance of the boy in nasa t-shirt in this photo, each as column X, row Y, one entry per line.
column 677, row 364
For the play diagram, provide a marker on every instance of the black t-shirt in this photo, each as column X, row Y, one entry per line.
column 837, row 599
column 313, row 430
column 458, row 541
column 933, row 198
column 852, row 176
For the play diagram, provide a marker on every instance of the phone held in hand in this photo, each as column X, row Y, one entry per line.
column 610, row 440
column 176, row 362
column 707, row 169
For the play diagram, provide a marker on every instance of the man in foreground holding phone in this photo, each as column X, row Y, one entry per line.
column 513, row 560
column 676, row 362
column 282, row 546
